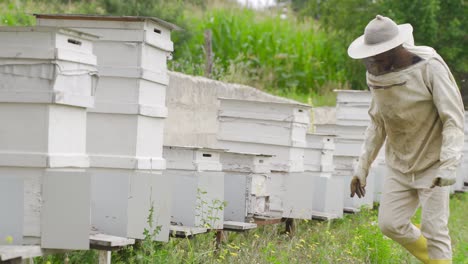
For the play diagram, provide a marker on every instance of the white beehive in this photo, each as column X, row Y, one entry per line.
column 352, row 107
column 197, row 186
column 125, row 128
column 355, row 203
column 377, row 173
column 328, row 195
column 345, row 160
column 276, row 129
column 245, row 185
column 327, row 189
column 122, row 201
column 318, row 156
column 290, row 194
column 47, row 79
column 281, row 124
column 139, row 42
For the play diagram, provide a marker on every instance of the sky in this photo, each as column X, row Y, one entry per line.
column 257, row 3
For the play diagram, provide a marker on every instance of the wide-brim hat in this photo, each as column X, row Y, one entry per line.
column 380, row 35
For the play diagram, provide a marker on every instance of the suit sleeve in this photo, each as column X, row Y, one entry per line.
column 374, row 138
column 449, row 104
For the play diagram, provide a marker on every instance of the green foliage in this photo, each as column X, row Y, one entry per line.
column 439, row 24
column 265, row 51
column 208, row 211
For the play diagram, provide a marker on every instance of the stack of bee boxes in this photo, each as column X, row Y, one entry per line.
column 125, row 128
column 277, row 129
column 245, row 178
column 352, row 118
column 47, row 80
column 197, row 186
column 327, row 188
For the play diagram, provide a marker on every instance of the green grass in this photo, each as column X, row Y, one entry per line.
column 353, row 239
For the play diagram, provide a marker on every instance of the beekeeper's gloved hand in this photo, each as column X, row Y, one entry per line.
column 445, row 178
column 358, row 185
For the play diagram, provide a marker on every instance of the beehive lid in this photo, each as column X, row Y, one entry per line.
column 67, row 31
column 108, row 18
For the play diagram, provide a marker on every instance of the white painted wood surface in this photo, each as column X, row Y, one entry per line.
column 298, row 195
column 145, row 43
column 353, row 97
column 263, row 122
column 347, row 131
column 318, row 156
column 65, row 215
column 284, row 158
column 125, row 141
column 328, row 194
column 41, row 135
column 245, row 162
column 104, row 240
column 197, row 186
column 349, row 147
column 11, row 213
column 245, row 177
column 186, row 231
column 22, row 252
column 122, row 199
column 47, row 65
column 377, row 172
column 239, row 226
column 48, row 78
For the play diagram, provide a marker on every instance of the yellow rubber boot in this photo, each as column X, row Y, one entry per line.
column 419, row 249
column 440, row 261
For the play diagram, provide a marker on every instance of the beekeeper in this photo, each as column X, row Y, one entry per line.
column 417, row 109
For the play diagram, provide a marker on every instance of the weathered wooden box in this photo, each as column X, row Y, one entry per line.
column 349, row 131
column 197, row 186
column 47, row 79
column 245, row 185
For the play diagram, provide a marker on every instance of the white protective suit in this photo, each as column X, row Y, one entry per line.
column 419, row 111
